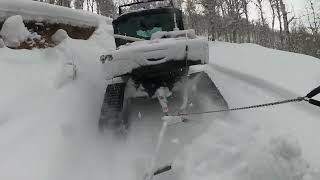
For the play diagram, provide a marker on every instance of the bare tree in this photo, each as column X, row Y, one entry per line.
column 273, row 10
column 261, row 13
column 105, row 7
column 279, row 17
column 90, row 5
column 210, row 10
column 65, row 3
column 245, row 4
column 313, row 17
column 179, row 3
column 234, row 12
column 286, row 23
column 78, row 4
column 190, row 13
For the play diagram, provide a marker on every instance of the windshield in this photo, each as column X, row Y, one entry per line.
column 144, row 26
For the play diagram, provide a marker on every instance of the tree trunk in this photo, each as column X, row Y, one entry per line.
column 248, row 23
column 234, row 36
column 78, row 4
column 280, row 22
column 88, row 5
column 285, row 25
column 273, row 14
column 261, row 12
column 213, row 33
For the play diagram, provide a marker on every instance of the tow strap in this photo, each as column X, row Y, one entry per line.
column 307, row 98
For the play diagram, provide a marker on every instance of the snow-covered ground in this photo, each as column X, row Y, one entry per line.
column 44, row 12
column 48, row 121
column 270, row 143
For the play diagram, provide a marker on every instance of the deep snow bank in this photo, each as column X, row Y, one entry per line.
column 20, row 33
column 48, row 127
column 48, row 122
column 44, row 12
column 293, row 72
column 231, row 152
column 43, row 20
column 271, row 143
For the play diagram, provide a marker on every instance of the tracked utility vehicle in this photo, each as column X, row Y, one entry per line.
column 152, row 60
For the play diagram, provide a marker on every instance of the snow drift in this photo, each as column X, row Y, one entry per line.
column 59, row 36
column 44, row 12
column 49, row 131
column 14, row 32
column 270, row 143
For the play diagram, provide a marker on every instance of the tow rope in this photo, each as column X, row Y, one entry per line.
column 175, row 119
column 307, row 98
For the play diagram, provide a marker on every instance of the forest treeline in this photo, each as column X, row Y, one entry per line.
column 231, row 21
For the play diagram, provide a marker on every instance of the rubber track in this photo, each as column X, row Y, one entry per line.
column 112, row 105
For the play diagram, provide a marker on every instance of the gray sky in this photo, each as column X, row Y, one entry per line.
column 298, row 4
column 295, row 7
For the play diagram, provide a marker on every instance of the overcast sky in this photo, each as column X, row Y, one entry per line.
column 295, row 7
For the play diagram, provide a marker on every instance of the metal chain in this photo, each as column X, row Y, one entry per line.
column 307, row 98
column 299, row 99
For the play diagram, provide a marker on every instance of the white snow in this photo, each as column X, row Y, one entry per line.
column 171, row 120
column 284, row 70
column 44, row 12
column 233, row 154
column 137, row 54
column 270, row 143
column 59, row 36
column 14, row 31
column 67, row 74
column 2, row 45
column 49, row 132
column 190, row 33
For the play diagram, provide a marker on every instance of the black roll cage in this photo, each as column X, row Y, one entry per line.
column 142, row 2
